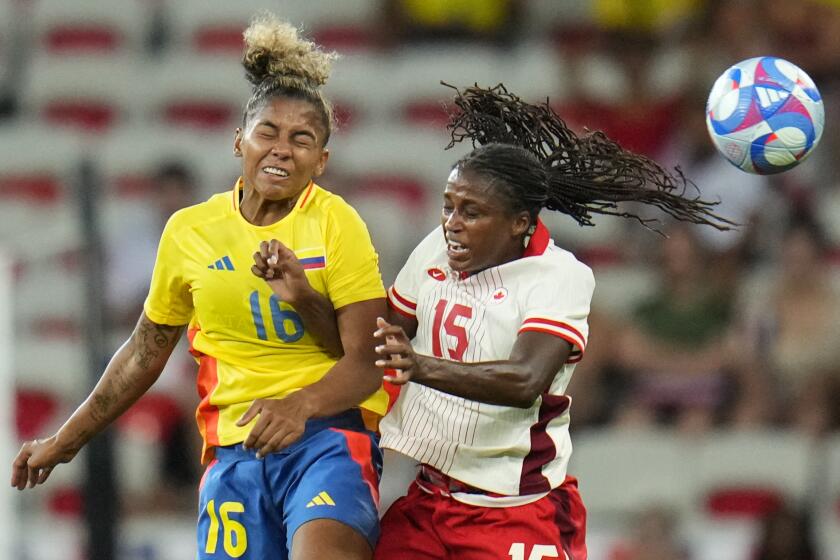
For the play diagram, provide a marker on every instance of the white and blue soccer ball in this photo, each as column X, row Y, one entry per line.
column 765, row 115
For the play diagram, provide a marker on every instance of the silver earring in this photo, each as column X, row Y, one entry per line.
column 527, row 238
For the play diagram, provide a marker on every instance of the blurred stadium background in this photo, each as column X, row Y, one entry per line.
column 707, row 411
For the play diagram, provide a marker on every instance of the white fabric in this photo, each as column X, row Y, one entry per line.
column 485, row 445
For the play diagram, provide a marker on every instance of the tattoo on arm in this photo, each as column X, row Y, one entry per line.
column 150, row 338
column 147, row 343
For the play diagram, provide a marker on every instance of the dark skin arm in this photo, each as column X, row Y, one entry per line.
column 534, row 361
column 280, row 268
column 133, row 369
column 351, row 380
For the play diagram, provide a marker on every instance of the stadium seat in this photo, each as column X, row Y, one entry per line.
column 395, row 150
column 415, row 94
column 349, row 88
column 749, row 474
column 35, row 188
column 199, row 92
column 35, row 410
column 217, row 27
column 83, row 27
column 127, row 157
column 622, row 472
column 82, row 93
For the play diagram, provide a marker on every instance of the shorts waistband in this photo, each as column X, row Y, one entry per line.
column 434, row 481
column 347, row 420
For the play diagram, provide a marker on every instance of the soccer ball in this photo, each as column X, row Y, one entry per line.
column 765, row 115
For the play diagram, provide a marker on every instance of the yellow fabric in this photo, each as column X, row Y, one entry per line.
column 480, row 15
column 192, row 283
column 643, row 14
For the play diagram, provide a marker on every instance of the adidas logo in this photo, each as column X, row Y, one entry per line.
column 322, row 499
column 770, row 96
column 222, row 264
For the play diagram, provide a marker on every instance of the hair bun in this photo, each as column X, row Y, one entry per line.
column 273, row 49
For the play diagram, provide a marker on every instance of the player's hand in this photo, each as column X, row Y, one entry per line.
column 280, row 422
column 399, row 360
column 36, row 460
column 279, row 266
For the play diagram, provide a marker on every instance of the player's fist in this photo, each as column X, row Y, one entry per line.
column 398, row 358
column 279, row 266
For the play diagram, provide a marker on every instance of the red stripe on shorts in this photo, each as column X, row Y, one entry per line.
column 359, row 447
column 570, row 518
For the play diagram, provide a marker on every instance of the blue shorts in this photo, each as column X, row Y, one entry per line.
column 251, row 508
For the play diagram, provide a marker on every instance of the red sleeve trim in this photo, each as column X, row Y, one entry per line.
column 570, row 339
column 396, row 308
column 402, row 300
column 555, row 324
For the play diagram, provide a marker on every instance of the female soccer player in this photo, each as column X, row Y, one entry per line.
column 498, row 317
column 292, row 470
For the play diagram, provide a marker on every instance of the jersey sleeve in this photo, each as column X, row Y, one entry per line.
column 558, row 304
column 352, row 263
column 403, row 294
column 169, row 301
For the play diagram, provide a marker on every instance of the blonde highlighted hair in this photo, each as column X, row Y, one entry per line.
column 278, row 62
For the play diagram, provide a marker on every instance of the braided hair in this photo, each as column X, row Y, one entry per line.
column 535, row 161
column 279, row 63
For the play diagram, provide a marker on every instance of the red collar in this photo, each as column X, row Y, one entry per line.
column 538, row 242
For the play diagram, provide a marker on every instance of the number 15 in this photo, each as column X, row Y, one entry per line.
column 538, row 552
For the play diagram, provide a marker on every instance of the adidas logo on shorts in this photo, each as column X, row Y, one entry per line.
column 322, row 499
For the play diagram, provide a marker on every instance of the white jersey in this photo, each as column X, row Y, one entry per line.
column 499, row 449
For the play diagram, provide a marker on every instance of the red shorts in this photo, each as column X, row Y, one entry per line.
column 426, row 526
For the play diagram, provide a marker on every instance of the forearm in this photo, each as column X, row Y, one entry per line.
column 318, row 315
column 129, row 374
column 349, row 382
column 354, row 377
column 500, row 382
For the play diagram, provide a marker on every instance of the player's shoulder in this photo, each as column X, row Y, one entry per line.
column 217, row 206
column 321, row 199
column 563, row 262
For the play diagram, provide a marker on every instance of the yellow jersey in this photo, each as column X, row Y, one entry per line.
column 248, row 343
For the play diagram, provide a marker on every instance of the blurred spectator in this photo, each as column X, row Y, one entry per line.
column 636, row 115
column 792, row 334
column 672, row 348
column 131, row 253
column 786, row 534
column 653, row 537
column 644, row 15
column 488, row 21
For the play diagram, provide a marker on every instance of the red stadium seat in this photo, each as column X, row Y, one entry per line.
column 84, row 28
column 90, row 115
column 86, row 94
column 219, row 39
column 743, row 502
column 153, row 417
column 66, row 501
column 82, row 39
column 196, row 91
column 38, row 187
column 216, row 27
column 34, row 412
column 750, row 474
